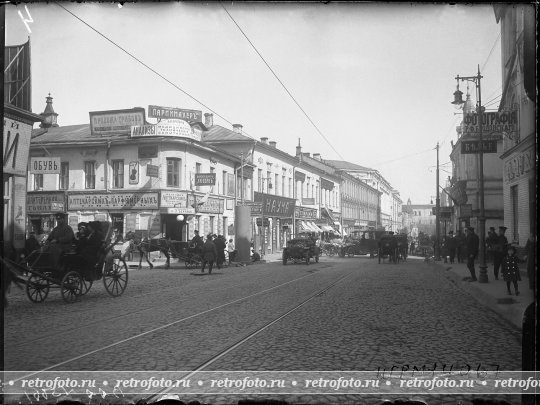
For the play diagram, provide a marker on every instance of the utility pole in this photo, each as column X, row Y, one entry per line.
column 437, row 217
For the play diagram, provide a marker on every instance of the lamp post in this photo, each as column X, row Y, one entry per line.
column 458, row 100
column 437, row 214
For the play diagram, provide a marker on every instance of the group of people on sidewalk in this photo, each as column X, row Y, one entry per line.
column 213, row 250
column 504, row 255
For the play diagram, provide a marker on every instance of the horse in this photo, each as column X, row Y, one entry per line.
column 145, row 246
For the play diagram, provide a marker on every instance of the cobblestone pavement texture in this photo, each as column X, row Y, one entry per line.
column 376, row 317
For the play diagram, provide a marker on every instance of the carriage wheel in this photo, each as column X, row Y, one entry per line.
column 71, row 286
column 188, row 263
column 37, row 288
column 115, row 279
column 86, row 285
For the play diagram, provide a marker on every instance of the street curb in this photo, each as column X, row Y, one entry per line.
column 504, row 307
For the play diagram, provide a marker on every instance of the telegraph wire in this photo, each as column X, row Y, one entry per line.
column 280, row 82
column 149, row 68
column 490, row 52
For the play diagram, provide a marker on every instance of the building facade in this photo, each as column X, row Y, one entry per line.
column 519, row 149
column 158, row 179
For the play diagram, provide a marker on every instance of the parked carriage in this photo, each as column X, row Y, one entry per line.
column 74, row 275
column 388, row 247
column 300, row 250
column 402, row 245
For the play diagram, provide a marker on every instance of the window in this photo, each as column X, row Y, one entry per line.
column 38, row 182
column 89, row 175
column 212, row 224
column 515, row 208
column 260, row 180
column 173, row 172
column 290, row 188
column 224, row 182
column 276, row 186
column 63, row 183
column 118, row 173
column 268, row 179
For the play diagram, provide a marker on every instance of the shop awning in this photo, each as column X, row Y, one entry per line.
column 327, row 228
column 303, row 227
column 315, row 227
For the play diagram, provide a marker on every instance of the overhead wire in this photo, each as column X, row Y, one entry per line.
column 281, row 82
column 149, row 67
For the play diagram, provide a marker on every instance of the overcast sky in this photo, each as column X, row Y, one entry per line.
column 376, row 79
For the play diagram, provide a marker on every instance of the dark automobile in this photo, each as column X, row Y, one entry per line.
column 301, row 250
column 388, row 247
column 367, row 243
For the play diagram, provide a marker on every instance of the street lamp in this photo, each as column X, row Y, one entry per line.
column 458, row 100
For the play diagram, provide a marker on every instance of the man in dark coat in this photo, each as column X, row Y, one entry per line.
column 60, row 239
column 472, row 243
column 220, row 247
column 500, row 249
column 451, row 246
column 491, row 240
column 209, row 254
column 460, row 246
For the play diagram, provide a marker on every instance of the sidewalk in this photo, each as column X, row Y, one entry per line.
column 493, row 294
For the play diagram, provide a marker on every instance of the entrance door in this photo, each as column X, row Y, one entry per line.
column 118, row 223
column 173, row 227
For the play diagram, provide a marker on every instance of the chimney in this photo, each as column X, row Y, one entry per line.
column 237, row 128
column 317, row 156
column 298, row 149
column 208, row 120
column 306, row 154
column 264, row 140
column 272, row 144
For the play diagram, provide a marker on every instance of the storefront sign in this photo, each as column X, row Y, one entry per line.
column 152, row 170
column 305, row 213
column 494, row 123
column 44, row 165
column 147, row 152
column 519, row 165
column 177, row 128
column 458, row 192
column 133, row 172
column 155, row 111
column 205, row 179
column 16, row 143
column 115, row 121
column 173, row 199
column 44, row 202
column 487, row 146
column 308, row 201
column 275, row 206
column 211, row 206
column 179, row 210
column 113, row 201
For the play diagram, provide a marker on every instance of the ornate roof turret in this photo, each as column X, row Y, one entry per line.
column 48, row 116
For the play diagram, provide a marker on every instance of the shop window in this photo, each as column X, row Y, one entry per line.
column 173, row 172
column 515, row 209
column 118, row 173
column 63, row 183
column 38, row 182
column 90, row 175
column 212, row 224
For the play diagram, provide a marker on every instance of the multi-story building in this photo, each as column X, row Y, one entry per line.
column 519, row 153
column 156, row 178
column 418, row 218
column 388, row 215
column 17, row 130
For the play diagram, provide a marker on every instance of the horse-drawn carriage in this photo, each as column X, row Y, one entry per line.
column 300, row 250
column 73, row 274
column 388, row 247
column 402, row 245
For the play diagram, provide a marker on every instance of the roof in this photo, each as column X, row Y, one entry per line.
column 218, row 133
column 71, row 133
column 343, row 165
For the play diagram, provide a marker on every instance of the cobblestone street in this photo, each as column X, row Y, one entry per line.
column 371, row 317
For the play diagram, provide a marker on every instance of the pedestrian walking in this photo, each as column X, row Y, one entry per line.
column 220, row 243
column 460, row 246
column 491, row 240
column 472, row 242
column 499, row 248
column 412, row 248
column 232, row 250
column 510, row 270
column 451, row 246
column 209, row 254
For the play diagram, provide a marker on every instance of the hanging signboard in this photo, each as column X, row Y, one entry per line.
column 113, row 201
column 494, row 123
column 205, row 179
column 115, row 121
column 305, row 213
column 155, row 111
column 177, row 128
column 45, row 165
column 487, row 146
column 152, row 170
